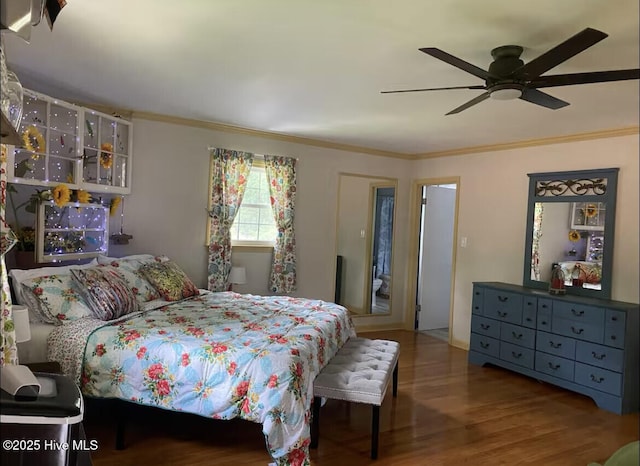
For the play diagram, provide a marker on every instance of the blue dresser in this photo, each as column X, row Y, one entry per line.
column 587, row 345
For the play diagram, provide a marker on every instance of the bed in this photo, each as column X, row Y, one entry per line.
column 219, row 355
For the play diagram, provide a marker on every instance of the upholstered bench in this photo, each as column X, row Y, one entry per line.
column 359, row 372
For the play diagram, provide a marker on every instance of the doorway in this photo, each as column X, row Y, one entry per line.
column 435, row 256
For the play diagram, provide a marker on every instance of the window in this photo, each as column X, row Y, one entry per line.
column 254, row 224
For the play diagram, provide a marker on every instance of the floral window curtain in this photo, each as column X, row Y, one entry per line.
column 228, row 178
column 281, row 175
column 537, row 234
column 8, row 349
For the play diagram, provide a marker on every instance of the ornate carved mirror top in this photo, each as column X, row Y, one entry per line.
column 570, row 224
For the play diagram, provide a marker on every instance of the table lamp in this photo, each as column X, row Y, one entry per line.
column 18, row 380
column 237, row 276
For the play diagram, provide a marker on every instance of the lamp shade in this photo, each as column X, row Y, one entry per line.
column 238, row 275
column 21, row 323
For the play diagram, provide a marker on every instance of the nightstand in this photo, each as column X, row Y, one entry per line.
column 49, row 367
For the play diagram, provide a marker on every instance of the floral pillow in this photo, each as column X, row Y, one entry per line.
column 130, row 273
column 169, row 279
column 106, row 292
column 55, row 299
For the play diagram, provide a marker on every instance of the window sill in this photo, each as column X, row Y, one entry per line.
column 252, row 248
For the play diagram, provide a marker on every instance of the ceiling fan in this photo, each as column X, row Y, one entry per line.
column 510, row 78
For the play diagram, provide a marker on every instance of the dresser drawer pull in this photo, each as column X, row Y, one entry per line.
column 477, row 307
column 485, row 326
column 530, row 303
column 599, row 357
column 555, row 345
column 503, row 299
column 555, row 367
column 516, row 355
column 484, row 345
column 613, row 337
column 528, row 319
column 577, row 313
column 544, row 306
column 477, row 293
column 544, row 322
column 502, row 314
column 517, row 336
column 577, row 331
column 614, row 318
column 597, row 379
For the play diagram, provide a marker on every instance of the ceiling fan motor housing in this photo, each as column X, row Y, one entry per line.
column 506, row 59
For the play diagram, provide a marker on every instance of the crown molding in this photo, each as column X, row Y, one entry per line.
column 608, row 133
column 129, row 114
column 266, row 134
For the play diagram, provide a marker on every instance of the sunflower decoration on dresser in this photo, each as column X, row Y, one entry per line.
column 106, row 154
column 61, row 194
column 33, row 141
column 574, row 236
column 83, row 196
column 114, row 204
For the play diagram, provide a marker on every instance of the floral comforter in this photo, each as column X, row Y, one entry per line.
column 219, row 355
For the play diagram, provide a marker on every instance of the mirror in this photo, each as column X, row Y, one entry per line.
column 570, row 223
column 364, row 249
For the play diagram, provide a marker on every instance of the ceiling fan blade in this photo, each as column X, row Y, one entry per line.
column 471, row 103
column 540, row 98
column 433, row 89
column 457, row 62
column 560, row 53
column 584, row 78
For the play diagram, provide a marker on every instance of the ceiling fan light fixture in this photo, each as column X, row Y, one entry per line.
column 508, row 93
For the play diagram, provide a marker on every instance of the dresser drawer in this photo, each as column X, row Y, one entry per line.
column 543, row 322
column 518, row 335
column 579, row 313
column 556, row 344
column 614, row 326
column 544, row 306
column 600, row 379
column 477, row 300
column 485, row 344
column 503, row 305
column 579, row 330
column 555, row 365
column 529, row 312
column 484, row 326
column 516, row 354
column 601, row 356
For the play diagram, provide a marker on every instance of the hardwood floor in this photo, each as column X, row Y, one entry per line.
column 446, row 413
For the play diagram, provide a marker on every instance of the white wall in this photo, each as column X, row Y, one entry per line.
column 493, row 209
column 166, row 211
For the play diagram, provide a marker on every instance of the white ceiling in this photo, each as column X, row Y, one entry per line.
column 315, row 69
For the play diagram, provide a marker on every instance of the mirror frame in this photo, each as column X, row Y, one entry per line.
column 375, row 182
column 598, row 185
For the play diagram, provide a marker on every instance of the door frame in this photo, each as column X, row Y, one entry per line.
column 414, row 249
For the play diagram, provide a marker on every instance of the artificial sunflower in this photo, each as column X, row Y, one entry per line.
column 106, row 157
column 83, row 196
column 61, row 195
column 574, row 236
column 33, row 141
column 115, row 203
column 591, row 210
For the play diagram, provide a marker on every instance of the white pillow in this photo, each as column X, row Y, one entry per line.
column 19, row 276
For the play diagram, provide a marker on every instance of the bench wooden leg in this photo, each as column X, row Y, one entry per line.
column 395, row 380
column 315, row 422
column 375, row 428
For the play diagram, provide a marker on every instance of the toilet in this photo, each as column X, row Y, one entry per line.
column 375, row 286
